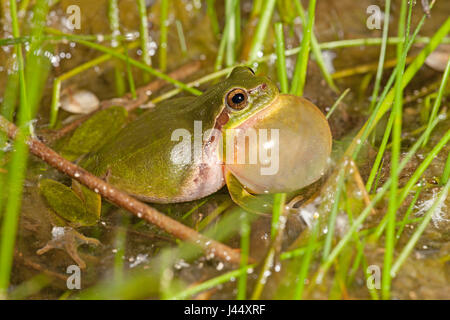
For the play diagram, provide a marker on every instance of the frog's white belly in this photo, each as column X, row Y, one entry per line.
column 207, row 177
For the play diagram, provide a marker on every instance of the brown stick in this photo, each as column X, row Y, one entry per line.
column 123, row 200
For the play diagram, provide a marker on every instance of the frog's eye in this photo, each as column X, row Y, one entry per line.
column 237, row 99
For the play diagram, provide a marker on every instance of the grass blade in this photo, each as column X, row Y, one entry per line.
column 316, row 51
column 143, row 31
column 163, row 29
column 299, row 77
column 261, row 29
column 395, row 159
column 281, row 59
column 16, row 169
column 379, row 74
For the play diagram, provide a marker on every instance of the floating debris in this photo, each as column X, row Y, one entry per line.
column 80, row 102
column 438, row 59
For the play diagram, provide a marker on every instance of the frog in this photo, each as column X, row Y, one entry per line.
column 241, row 132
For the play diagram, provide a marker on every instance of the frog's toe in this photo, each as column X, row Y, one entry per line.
column 69, row 240
column 82, row 239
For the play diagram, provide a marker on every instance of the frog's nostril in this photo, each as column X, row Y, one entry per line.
column 262, row 86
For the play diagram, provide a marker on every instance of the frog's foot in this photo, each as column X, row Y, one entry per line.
column 258, row 204
column 68, row 239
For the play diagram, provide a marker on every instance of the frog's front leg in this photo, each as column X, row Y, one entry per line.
column 75, row 206
column 68, row 239
column 259, row 204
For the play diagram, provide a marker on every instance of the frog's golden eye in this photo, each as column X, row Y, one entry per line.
column 237, row 99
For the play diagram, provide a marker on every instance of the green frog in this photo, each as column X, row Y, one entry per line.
column 241, row 133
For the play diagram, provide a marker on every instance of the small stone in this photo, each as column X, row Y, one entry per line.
column 80, row 102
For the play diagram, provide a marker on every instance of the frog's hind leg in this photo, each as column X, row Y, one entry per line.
column 76, row 206
column 68, row 239
column 259, row 204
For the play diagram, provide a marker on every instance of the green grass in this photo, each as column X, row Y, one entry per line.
column 144, row 37
column 211, row 10
column 377, row 197
column 315, row 47
column 261, row 29
column 299, row 77
column 164, row 28
column 208, row 284
column 281, row 58
column 397, row 111
column 333, row 214
column 114, row 23
column 337, row 102
column 305, row 263
column 16, row 168
column 408, row 213
column 181, row 37
column 231, row 8
column 73, row 72
column 446, row 172
column 376, row 88
column 245, row 252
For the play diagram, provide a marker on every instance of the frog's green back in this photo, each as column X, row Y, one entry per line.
column 138, row 159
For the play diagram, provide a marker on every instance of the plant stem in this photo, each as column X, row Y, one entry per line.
column 338, row 101
column 301, row 66
column 281, row 59
column 245, row 251
column 379, row 74
column 316, row 50
column 231, row 41
column 16, row 170
column 333, row 214
column 446, row 173
column 261, row 29
column 113, row 13
column 395, row 159
column 140, row 65
column 380, row 153
column 143, row 30
column 211, row 11
column 306, row 261
column 163, row 29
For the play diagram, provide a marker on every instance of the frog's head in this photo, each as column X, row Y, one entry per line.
column 288, row 135
column 243, row 95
